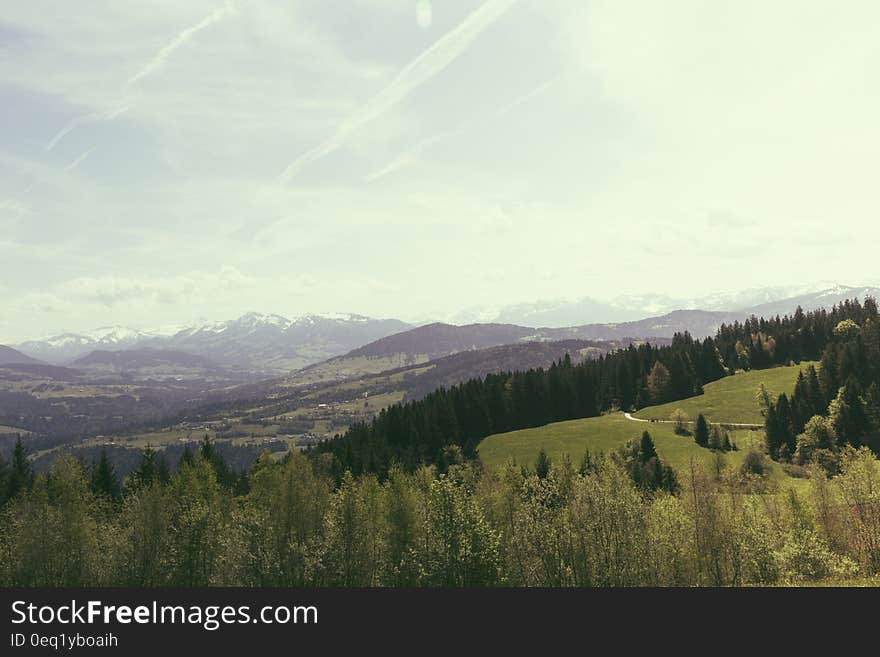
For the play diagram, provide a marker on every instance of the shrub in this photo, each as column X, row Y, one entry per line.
column 754, row 463
column 680, row 421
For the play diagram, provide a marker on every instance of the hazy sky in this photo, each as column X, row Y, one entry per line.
column 169, row 160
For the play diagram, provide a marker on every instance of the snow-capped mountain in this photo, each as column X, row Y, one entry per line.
column 267, row 343
column 255, row 341
column 631, row 307
column 725, row 301
column 61, row 349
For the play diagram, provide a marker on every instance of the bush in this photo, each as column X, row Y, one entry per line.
column 680, row 421
column 754, row 463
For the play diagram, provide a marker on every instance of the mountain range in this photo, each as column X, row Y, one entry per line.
column 625, row 308
column 10, row 356
column 253, row 342
column 265, row 344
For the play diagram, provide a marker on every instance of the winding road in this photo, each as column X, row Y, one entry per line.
column 740, row 425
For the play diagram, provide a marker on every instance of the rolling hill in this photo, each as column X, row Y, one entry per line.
column 10, row 356
column 438, row 339
column 465, row 365
column 731, row 399
column 606, row 434
column 145, row 362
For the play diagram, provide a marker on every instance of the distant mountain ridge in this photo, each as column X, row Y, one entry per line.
column 272, row 344
column 10, row 356
column 633, row 307
column 138, row 358
column 67, row 347
column 254, row 341
column 439, row 339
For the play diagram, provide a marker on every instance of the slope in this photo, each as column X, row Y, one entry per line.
column 731, row 399
column 10, row 356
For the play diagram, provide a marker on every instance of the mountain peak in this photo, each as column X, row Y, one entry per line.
column 255, row 320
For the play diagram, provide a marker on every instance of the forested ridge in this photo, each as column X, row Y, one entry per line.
column 845, row 338
column 288, row 523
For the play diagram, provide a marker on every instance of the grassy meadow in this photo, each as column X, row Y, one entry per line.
column 731, row 399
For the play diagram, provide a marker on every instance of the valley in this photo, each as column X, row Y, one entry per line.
column 140, row 388
column 529, row 433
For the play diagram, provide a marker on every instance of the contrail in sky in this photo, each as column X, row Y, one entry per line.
column 148, row 69
column 410, row 155
column 166, row 51
column 424, row 67
column 77, row 161
column 74, row 123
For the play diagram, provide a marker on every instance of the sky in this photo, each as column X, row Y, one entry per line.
column 168, row 161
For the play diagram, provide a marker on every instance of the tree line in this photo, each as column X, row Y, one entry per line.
column 834, row 406
column 406, row 504
column 608, row 522
column 420, row 432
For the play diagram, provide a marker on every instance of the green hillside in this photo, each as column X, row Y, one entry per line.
column 603, row 434
column 731, row 399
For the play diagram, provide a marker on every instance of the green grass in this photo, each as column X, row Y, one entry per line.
column 351, row 367
column 606, row 434
column 731, row 399
column 13, row 430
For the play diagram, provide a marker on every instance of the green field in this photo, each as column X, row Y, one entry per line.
column 350, row 367
column 731, row 399
column 606, row 434
column 599, row 434
column 13, row 430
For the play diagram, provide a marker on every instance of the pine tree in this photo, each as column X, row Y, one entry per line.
column 818, row 404
column 21, row 473
column 152, row 468
column 701, row 431
column 647, row 450
column 208, row 451
column 771, row 431
column 727, row 445
column 542, row 465
column 186, row 458
column 849, row 416
column 785, row 423
column 4, row 480
column 104, row 481
column 872, row 406
column 590, row 462
column 163, row 470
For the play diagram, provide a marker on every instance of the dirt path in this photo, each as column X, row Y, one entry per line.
column 739, row 425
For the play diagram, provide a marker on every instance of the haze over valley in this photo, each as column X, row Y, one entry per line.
column 291, row 382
